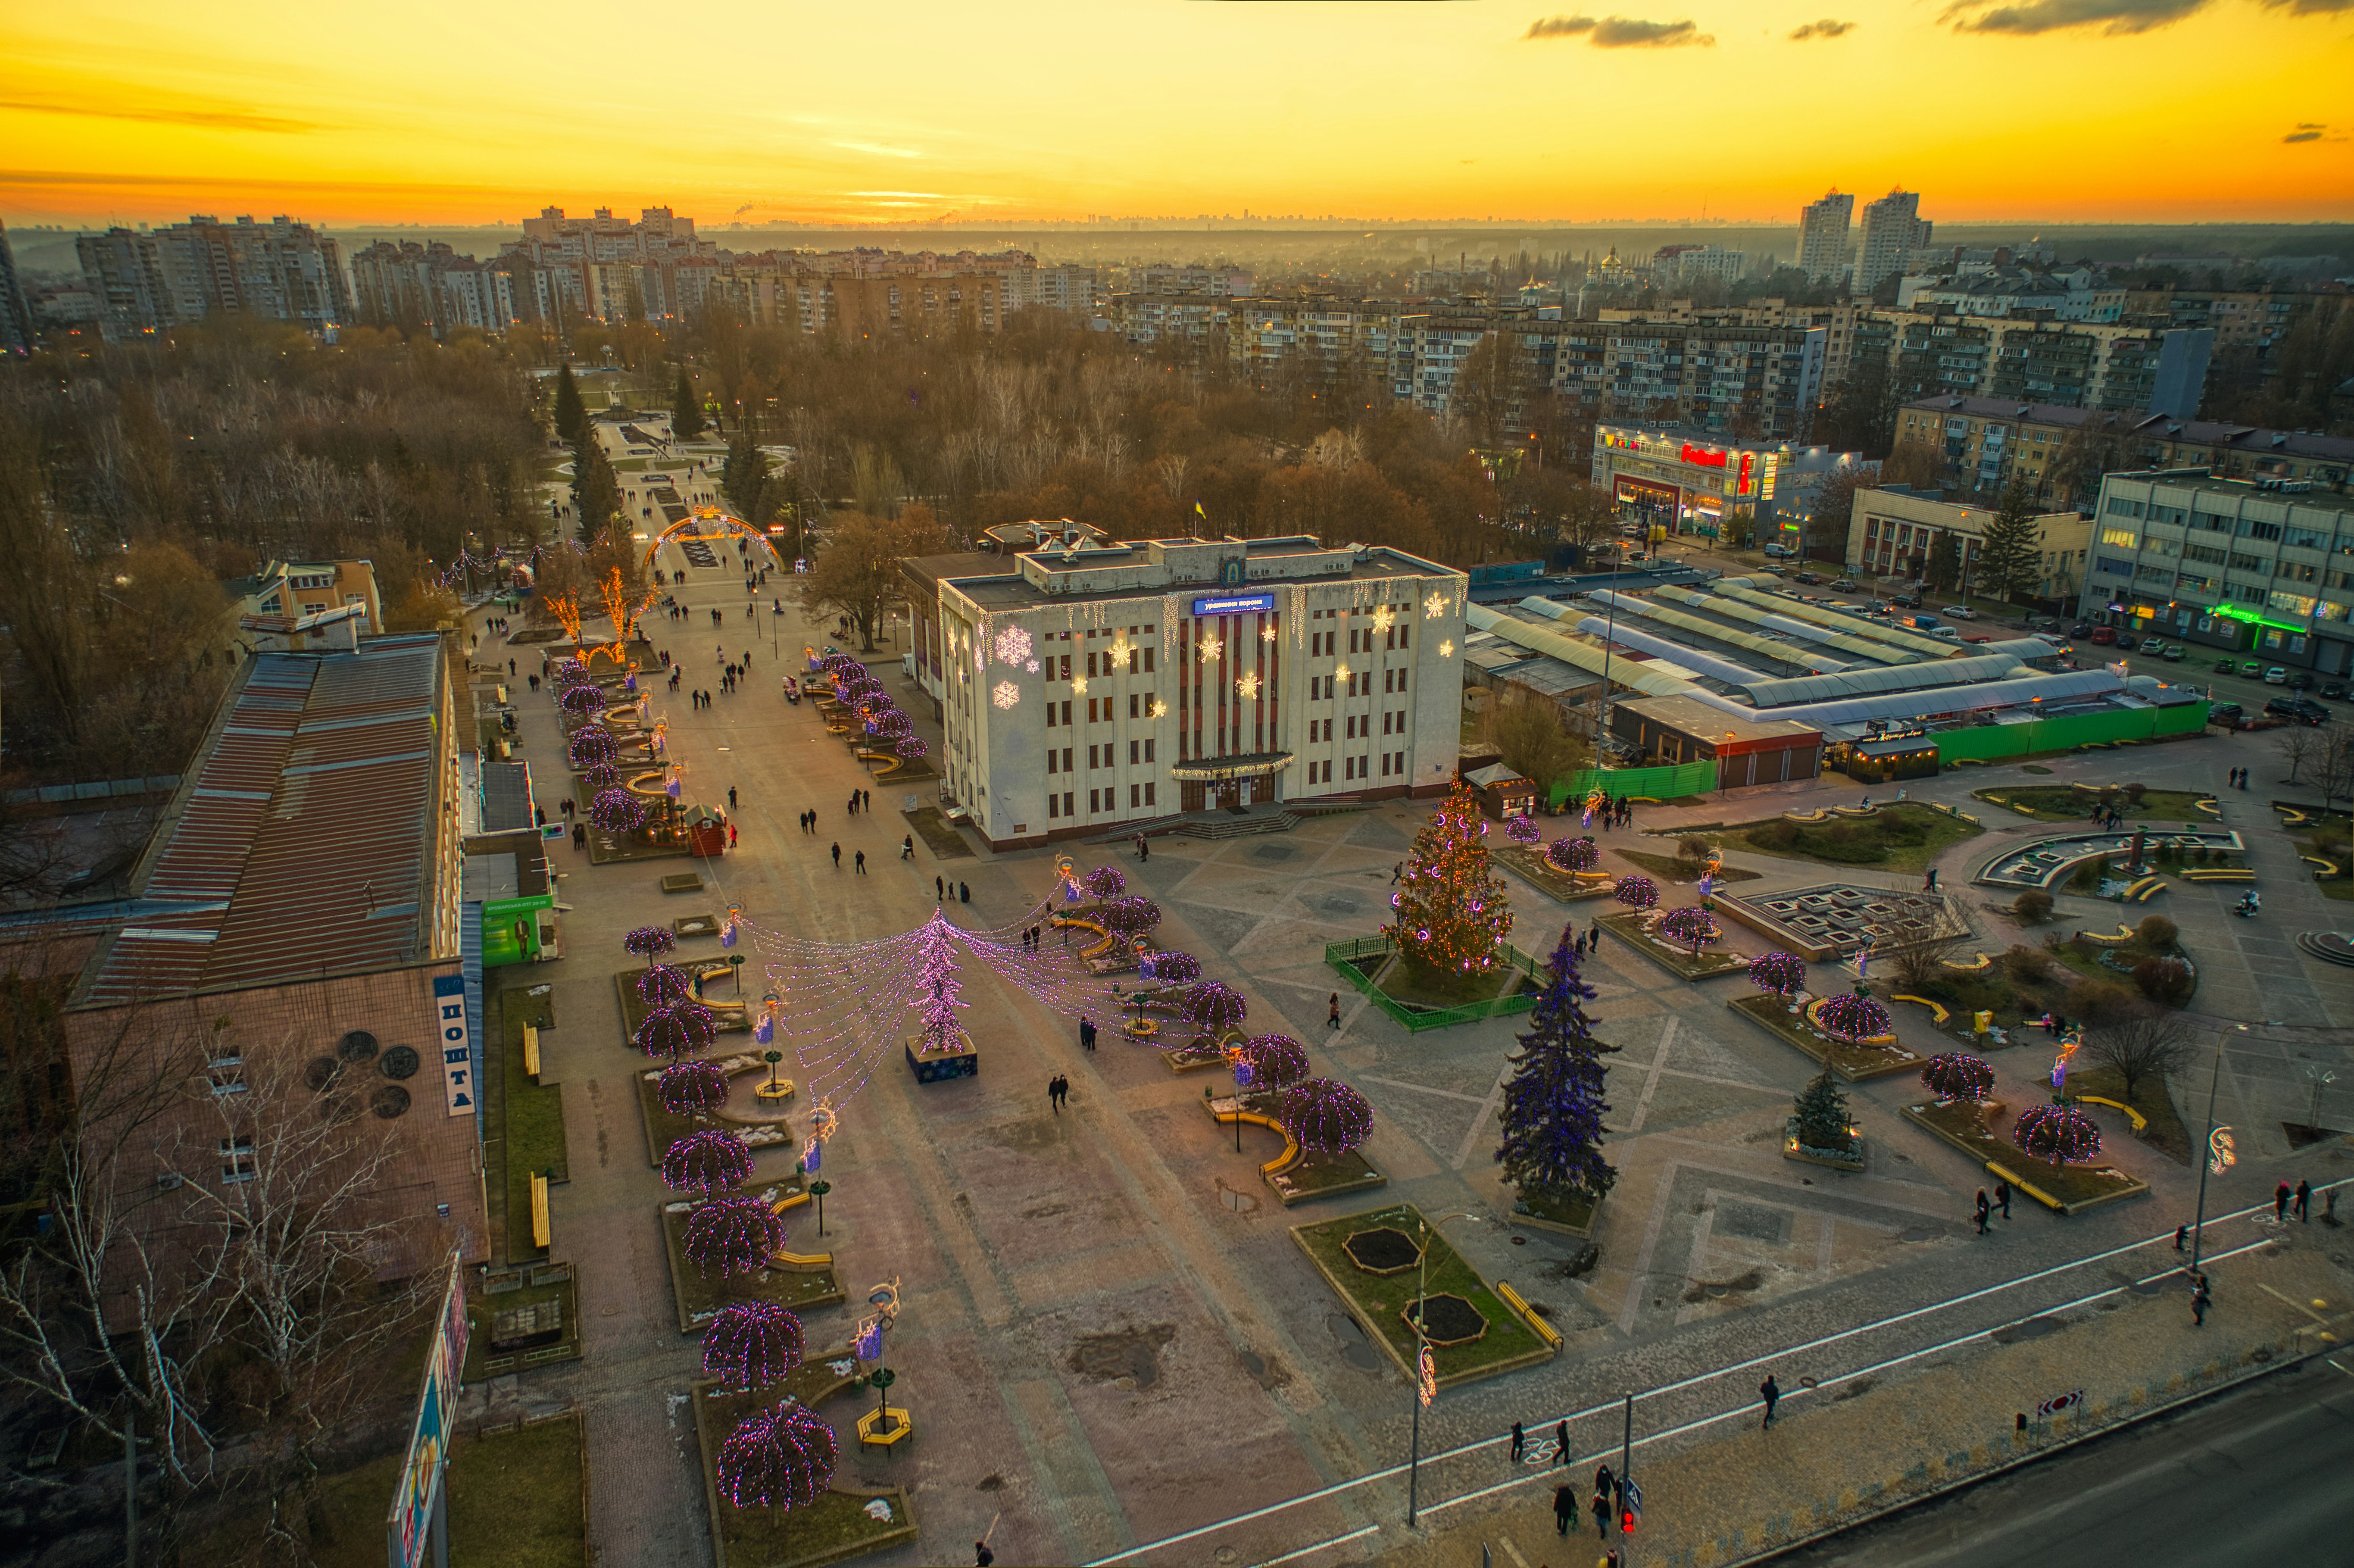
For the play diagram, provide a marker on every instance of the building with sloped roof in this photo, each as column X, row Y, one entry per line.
column 298, row 920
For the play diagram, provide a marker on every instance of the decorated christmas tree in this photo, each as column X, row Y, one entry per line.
column 1452, row 911
column 1553, row 1105
column 1820, row 1119
column 936, row 965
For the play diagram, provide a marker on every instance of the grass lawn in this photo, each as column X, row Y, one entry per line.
column 1380, row 1301
column 527, row 1133
column 2165, row 1132
column 1681, row 962
column 2330, row 842
column 1315, row 1175
column 1673, row 868
column 1853, row 1063
column 835, row 1526
column 515, row 1501
column 1426, row 987
column 2049, row 804
column 1895, row 838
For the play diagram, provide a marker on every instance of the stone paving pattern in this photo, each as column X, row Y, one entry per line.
column 1107, row 1337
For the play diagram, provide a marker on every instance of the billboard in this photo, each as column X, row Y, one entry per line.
column 1234, row 604
column 417, row 1498
column 457, row 1042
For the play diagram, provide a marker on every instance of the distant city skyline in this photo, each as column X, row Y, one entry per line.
column 2128, row 112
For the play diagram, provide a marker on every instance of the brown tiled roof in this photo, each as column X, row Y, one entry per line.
column 302, row 838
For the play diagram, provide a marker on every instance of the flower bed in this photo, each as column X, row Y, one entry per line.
column 1678, row 958
column 2064, row 1189
column 1563, row 887
column 1855, row 1063
column 836, row 1527
column 699, row 1298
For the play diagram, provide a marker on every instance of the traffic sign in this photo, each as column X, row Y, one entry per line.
column 1632, row 1505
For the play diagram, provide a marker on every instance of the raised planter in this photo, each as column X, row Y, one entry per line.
column 698, row 1299
column 1673, row 957
column 1854, row 1063
column 930, row 1066
column 833, row 1529
column 1793, row 1149
column 1560, row 1216
column 1508, row 1343
column 2065, row 1189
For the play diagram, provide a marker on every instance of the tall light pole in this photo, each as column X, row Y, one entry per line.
column 1422, row 1348
column 2208, row 1159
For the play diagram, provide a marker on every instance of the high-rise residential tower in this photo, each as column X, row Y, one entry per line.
column 1823, row 237
column 1892, row 226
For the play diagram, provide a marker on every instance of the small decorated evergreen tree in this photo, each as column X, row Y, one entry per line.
column 1452, row 910
column 1820, row 1119
column 1553, row 1105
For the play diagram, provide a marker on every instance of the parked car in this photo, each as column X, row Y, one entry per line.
column 1909, row 601
column 2228, row 715
column 2251, row 667
column 1810, row 579
column 2153, row 646
column 2335, row 690
column 2276, row 676
column 2082, row 629
column 2226, row 666
column 1779, row 552
column 2301, row 681
column 1959, row 612
column 2173, row 655
column 2104, row 635
column 1848, row 585
column 2301, row 710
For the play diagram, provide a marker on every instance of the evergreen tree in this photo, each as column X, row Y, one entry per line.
column 685, row 410
column 2010, row 557
column 1822, row 1116
column 744, row 478
column 1553, row 1107
column 1944, row 569
column 571, row 414
column 596, row 491
column 1452, row 909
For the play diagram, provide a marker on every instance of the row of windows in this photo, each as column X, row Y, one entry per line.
column 1065, row 804
column 1104, row 755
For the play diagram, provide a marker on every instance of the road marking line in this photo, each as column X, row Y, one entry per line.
column 1336, row 1541
column 1479, row 1122
column 1422, row 1090
column 1652, row 1082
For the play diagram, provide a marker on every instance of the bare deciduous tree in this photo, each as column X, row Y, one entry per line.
column 2141, row 1044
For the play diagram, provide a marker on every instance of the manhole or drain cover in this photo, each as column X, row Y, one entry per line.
column 1519, row 1241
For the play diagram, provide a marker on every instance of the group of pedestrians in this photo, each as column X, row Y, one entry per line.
column 1032, row 938
column 942, row 887
column 861, row 800
column 1985, row 1207
column 2239, row 779
column 1058, row 1089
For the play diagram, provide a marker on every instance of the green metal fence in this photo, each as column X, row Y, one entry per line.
column 1361, row 958
column 1670, row 783
column 1992, row 743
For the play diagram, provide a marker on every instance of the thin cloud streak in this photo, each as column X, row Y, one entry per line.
column 1620, row 32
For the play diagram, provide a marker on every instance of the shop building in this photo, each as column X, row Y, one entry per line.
column 1091, row 687
column 1894, row 532
column 1761, row 750
column 1695, row 481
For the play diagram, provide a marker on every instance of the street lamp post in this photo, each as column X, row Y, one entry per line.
column 1421, row 1351
column 2207, row 1157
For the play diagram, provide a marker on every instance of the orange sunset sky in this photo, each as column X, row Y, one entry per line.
column 1027, row 109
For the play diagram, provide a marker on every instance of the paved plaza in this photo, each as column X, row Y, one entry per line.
column 1107, row 1337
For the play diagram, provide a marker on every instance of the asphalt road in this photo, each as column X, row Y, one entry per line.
column 2257, row 1476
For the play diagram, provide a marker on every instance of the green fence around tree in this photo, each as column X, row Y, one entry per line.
column 1992, row 743
column 1360, row 959
column 1671, row 783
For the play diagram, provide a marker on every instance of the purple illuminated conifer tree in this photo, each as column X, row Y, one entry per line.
column 1553, row 1105
column 936, row 966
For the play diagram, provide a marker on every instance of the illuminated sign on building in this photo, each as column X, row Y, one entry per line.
column 1700, row 457
column 1239, row 604
column 1642, row 493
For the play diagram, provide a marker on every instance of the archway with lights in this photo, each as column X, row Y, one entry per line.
column 708, row 523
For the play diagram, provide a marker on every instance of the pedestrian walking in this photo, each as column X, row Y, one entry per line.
column 1520, row 1442
column 907, row 847
column 867, row 800
column 2181, row 1235
column 1565, row 1509
column 1144, row 849
column 982, row 1557
column 861, row 859
column 964, row 892
column 1332, row 1016
column 837, row 857
column 2280, row 1203
column 579, row 836
column 1603, row 1481
column 2305, row 1202
column 511, row 669
column 1086, row 1033
column 2002, row 1196
column 1982, row 1211
column 2200, row 1297
column 1054, row 1095
column 1395, row 872
column 731, row 797
column 731, row 844
column 1601, row 1506
column 1771, row 1393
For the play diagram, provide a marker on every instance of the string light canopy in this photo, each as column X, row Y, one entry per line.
column 2063, row 1135
column 1958, row 1076
column 1271, row 1062
column 1325, row 1115
column 650, row 942
column 664, row 986
column 694, row 1088
column 1851, row 1018
column 706, row 1160
column 1636, row 892
column 1523, row 830
column 732, row 1235
column 781, row 1458
column 751, row 1344
column 1690, row 923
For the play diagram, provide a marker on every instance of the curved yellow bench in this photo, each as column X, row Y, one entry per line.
column 1977, row 962
column 2219, row 873
column 2210, row 807
column 892, row 761
column 1100, row 947
column 2139, row 1120
column 2291, row 817
column 1816, row 815
column 2328, row 868
column 2124, row 934
column 1815, row 1008
column 1282, row 1161
column 1855, row 810
column 636, row 784
column 1940, row 1014
column 2084, row 788
column 2148, row 888
column 800, row 1262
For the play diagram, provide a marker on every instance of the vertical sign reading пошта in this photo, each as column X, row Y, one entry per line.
column 457, row 1047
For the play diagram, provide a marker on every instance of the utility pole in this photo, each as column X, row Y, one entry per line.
column 2207, row 1157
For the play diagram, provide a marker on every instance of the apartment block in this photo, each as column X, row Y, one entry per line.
column 16, row 310
column 1892, row 227
column 1822, row 238
column 1088, row 685
column 2129, row 368
column 2264, row 568
column 1190, row 319
column 151, row 280
column 1980, row 444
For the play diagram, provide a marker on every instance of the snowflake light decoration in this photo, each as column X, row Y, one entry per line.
column 1267, row 634
column 1211, row 648
column 1012, row 645
column 1119, row 646
column 1079, row 684
column 1160, row 708
column 1434, row 607
column 1005, row 693
column 1032, row 667
column 1447, row 649
column 1340, row 671
column 1249, row 686
column 1383, row 618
